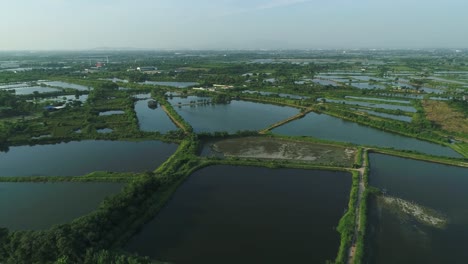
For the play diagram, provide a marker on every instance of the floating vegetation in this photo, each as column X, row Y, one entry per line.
column 411, row 210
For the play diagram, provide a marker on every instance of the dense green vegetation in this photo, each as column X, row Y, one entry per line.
column 360, row 240
column 98, row 236
column 348, row 222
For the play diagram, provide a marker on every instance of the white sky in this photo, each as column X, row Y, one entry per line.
column 230, row 24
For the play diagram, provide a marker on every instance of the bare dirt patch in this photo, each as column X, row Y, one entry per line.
column 272, row 148
column 442, row 114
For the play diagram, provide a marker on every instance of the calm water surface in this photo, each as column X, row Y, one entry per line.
column 237, row 115
column 436, row 186
column 227, row 214
column 379, row 99
column 78, row 158
column 32, row 89
column 41, row 205
column 367, row 86
column 292, row 96
column 173, row 84
column 395, row 117
column 332, row 128
column 67, row 85
column 152, row 119
column 374, row 105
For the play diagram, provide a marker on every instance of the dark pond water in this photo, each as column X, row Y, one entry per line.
column 173, row 84
column 368, row 86
column 395, row 117
column 227, row 214
column 237, row 115
column 374, row 105
column 366, row 78
column 32, row 89
column 439, row 187
column 425, row 89
column 292, row 96
column 325, row 82
column 176, row 100
column 41, row 205
column 67, row 85
column 142, row 96
column 14, row 85
column 379, row 99
column 332, row 128
column 78, row 158
column 152, row 119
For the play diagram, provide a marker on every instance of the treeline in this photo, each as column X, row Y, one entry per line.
column 33, row 75
column 89, row 238
column 118, row 217
column 12, row 105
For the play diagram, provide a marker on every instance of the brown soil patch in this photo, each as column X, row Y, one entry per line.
column 449, row 119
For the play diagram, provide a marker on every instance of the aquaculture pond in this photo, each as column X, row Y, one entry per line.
column 151, row 119
column 335, row 129
column 13, row 85
column 379, row 99
column 66, row 85
column 78, row 158
column 283, row 95
column 66, row 98
column 32, row 89
column 234, row 116
column 325, row 82
column 367, row 86
column 173, row 84
column 374, row 105
column 41, row 205
column 390, row 116
column 191, row 99
column 235, row 214
column 429, row 223
column 142, row 96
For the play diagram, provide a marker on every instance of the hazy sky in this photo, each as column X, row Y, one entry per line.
column 232, row 24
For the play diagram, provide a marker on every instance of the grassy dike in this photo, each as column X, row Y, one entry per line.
column 348, row 221
column 171, row 112
column 98, row 176
column 422, row 157
column 360, row 240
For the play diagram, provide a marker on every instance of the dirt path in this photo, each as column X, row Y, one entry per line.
column 280, row 123
column 177, row 123
column 357, row 227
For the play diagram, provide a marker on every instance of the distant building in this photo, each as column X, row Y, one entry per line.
column 222, row 86
column 204, row 89
column 147, row 69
